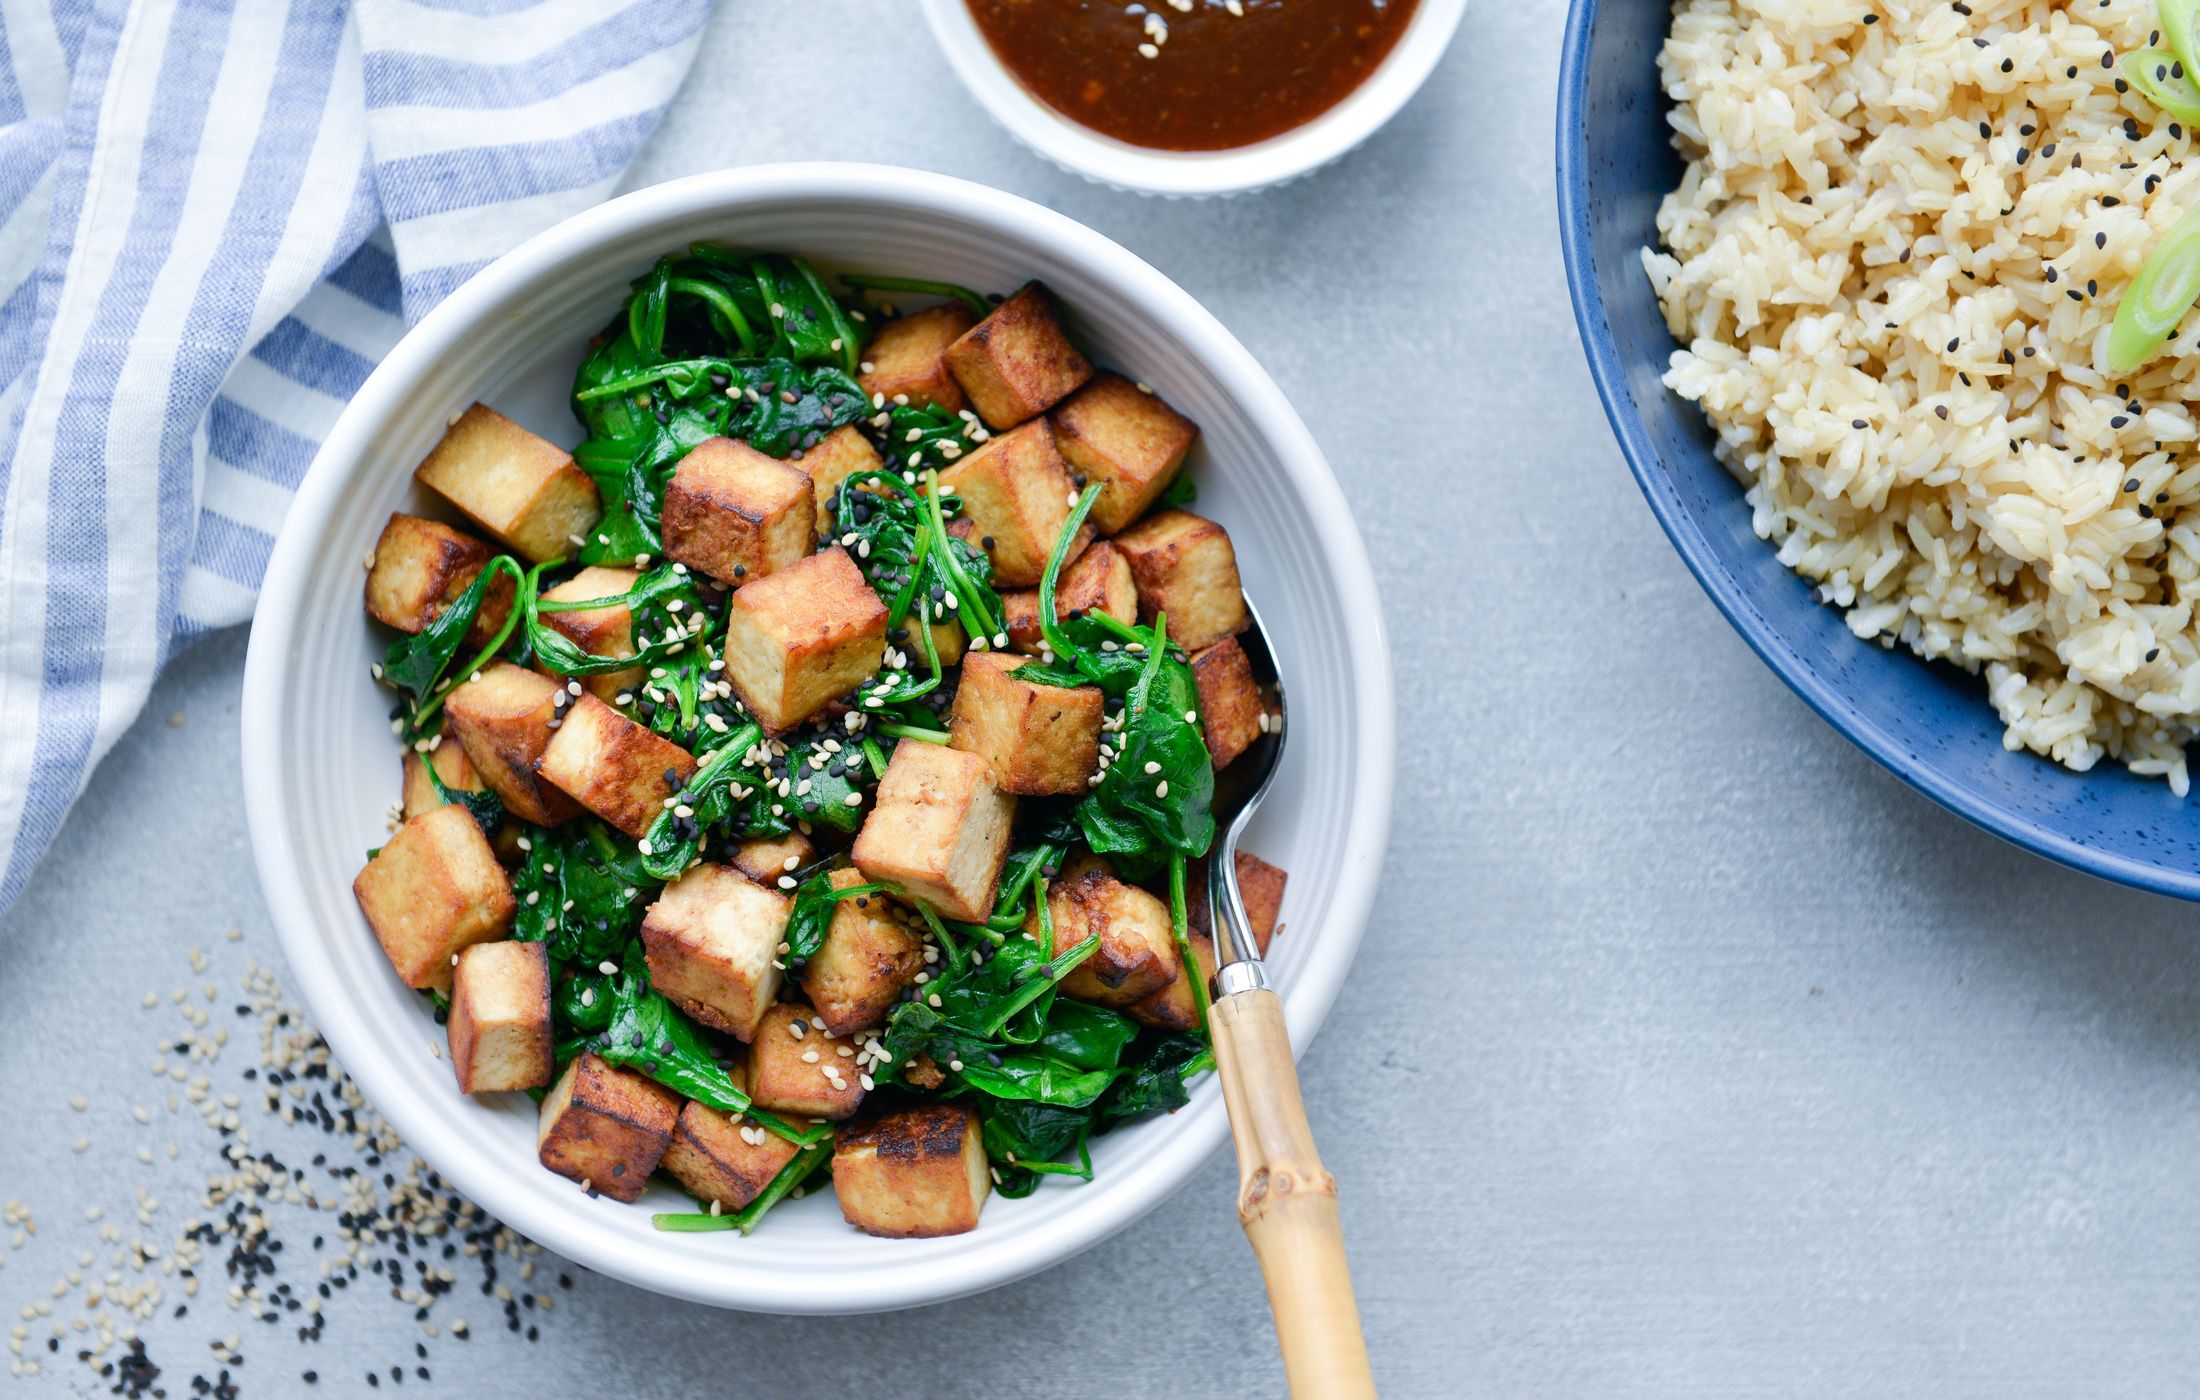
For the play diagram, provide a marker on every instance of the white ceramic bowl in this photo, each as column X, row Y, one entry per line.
column 1190, row 174
column 323, row 769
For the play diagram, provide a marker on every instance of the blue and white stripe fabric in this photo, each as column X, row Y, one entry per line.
column 215, row 217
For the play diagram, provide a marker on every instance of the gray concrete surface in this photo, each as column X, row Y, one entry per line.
column 1689, row 1054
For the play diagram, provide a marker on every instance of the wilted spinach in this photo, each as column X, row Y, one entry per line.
column 581, row 889
column 419, row 665
column 675, row 839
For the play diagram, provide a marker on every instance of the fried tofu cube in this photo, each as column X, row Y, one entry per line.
column 434, row 888
column 503, row 720
column 939, row 830
column 722, row 1159
column 614, row 767
column 903, row 362
column 521, row 488
column 1099, row 580
column 1124, row 437
column 735, row 514
column 1016, row 493
column 839, row 455
column 1184, row 566
column 1137, row 953
column 451, row 765
column 868, row 956
column 767, row 859
column 1017, row 363
column 793, row 1068
column 803, row 638
column 1173, row 1008
column 500, row 1017
column 711, row 941
column 607, row 631
column 421, row 567
column 1231, row 707
column 914, row 1174
column 605, row 1127
column 1039, row 740
column 1260, row 885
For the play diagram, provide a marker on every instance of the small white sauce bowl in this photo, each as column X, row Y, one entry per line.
column 1194, row 174
column 322, row 769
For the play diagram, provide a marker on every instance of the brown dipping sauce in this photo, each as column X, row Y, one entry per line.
column 1218, row 81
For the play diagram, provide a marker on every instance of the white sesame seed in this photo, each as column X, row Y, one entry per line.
column 1161, row 789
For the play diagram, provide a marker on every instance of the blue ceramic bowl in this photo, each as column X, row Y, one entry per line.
column 1929, row 723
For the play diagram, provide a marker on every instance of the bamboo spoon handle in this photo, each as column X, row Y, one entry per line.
column 1288, row 1203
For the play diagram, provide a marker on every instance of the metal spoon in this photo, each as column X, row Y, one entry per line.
column 1286, row 1201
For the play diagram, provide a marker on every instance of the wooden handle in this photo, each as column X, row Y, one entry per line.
column 1288, row 1203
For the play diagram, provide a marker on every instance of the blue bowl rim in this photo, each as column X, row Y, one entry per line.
column 1831, row 703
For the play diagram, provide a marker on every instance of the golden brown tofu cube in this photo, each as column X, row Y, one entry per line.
column 1137, row 953
column 803, row 638
column 913, row 1174
column 522, row 489
column 1124, row 437
column 722, row 1159
column 605, row 1127
column 607, row 631
column 1184, row 566
column 1172, row 1008
column 768, row 860
column 839, row 455
column 712, row 944
column 1017, row 363
column 868, row 956
column 614, row 767
column 451, row 765
column 903, row 362
column 500, row 1017
column 1099, row 580
column 736, row 514
column 939, row 830
column 795, row 1068
column 1017, row 495
column 503, row 720
column 421, row 567
column 1260, row 885
column 434, row 888
column 1231, row 707
column 1038, row 739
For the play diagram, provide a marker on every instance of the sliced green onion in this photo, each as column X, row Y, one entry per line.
column 2163, row 79
column 2180, row 29
column 2158, row 298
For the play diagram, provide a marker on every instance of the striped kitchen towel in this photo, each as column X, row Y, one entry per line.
column 215, row 217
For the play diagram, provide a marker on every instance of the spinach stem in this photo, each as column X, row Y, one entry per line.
column 1179, row 918
column 919, row 286
column 979, row 623
column 733, row 323
column 895, row 730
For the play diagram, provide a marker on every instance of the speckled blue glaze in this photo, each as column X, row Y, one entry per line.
column 1930, row 724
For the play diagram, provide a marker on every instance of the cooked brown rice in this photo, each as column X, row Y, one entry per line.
column 1893, row 262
